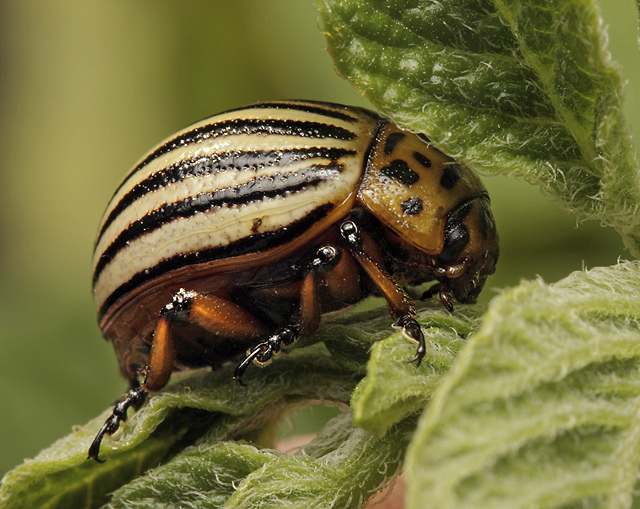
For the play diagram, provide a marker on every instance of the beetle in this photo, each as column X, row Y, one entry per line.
column 235, row 235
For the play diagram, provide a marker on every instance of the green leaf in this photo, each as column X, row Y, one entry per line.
column 524, row 88
column 342, row 468
column 207, row 404
column 542, row 408
column 176, row 450
column 638, row 8
column 394, row 389
column 202, row 476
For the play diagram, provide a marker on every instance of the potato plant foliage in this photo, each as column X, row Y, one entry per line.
column 530, row 401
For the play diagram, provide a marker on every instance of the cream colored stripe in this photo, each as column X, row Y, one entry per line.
column 219, row 227
column 195, row 185
column 244, row 141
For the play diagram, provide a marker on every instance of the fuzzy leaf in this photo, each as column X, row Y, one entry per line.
column 175, row 450
column 638, row 8
column 206, row 403
column 542, row 408
column 342, row 468
column 203, row 476
column 510, row 86
column 393, row 389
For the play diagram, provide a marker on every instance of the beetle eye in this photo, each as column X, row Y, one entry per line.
column 456, row 235
column 455, row 241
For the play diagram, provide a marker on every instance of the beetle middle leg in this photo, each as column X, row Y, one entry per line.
column 215, row 314
column 324, row 260
column 401, row 305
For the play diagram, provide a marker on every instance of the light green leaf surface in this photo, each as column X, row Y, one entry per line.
column 510, row 86
column 203, row 476
column 542, row 408
column 393, row 389
column 342, row 468
column 210, row 404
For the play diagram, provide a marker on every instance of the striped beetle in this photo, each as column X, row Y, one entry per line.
column 236, row 234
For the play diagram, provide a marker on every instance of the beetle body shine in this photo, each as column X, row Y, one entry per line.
column 249, row 225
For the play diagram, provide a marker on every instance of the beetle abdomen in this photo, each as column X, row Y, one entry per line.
column 242, row 183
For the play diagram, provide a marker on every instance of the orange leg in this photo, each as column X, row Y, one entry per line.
column 401, row 306
column 343, row 280
column 215, row 314
column 324, row 261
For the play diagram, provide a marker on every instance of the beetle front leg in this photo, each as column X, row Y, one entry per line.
column 444, row 295
column 400, row 304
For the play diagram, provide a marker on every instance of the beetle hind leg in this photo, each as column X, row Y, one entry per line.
column 215, row 314
column 156, row 375
column 134, row 398
column 263, row 352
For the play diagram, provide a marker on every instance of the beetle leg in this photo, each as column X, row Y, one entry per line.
column 324, row 260
column 157, row 373
column 215, row 314
column 263, row 352
column 445, row 297
column 400, row 304
column 134, row 398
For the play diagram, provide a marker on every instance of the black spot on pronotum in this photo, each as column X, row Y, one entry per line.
column 392, row 141
column 422, row 159
column 450, row 175
column 412, row 206
column 398, row 169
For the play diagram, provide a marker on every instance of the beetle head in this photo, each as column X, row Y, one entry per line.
column 470, row 250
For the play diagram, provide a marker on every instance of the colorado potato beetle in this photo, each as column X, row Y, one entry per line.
column 236, row 234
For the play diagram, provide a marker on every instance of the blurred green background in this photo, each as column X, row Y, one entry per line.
column 87, row 88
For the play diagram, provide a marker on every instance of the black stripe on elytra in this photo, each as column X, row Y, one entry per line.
column 249, row 126
column 338, row 106
column 307, row 108
column 450, row 175
column 250, row 244
column 253, row 191
column 392, row 141
column 399, row 169
column 223, row 161
column 422, row 159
